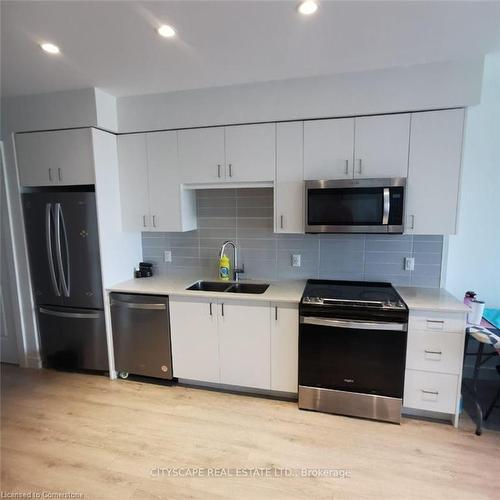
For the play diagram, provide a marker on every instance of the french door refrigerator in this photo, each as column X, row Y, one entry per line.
column 63, row 245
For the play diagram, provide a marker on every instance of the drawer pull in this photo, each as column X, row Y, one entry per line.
column 432, row 355
column 429, row 395
column 433, row 352
column 433, row 324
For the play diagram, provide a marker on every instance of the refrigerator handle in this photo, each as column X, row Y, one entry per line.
column 48, row 239
column 65, row 281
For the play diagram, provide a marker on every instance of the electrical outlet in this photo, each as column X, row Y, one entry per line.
column 409, row 263
column 296, row 260
column 168, row 256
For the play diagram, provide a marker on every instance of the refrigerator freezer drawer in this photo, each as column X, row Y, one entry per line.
column 141, row 335
column 73, row 339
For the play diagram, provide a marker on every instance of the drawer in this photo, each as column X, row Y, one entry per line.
column 430, row 391
column 435, row 321
column 435, row 352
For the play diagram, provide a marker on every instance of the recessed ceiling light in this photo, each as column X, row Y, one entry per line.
column 308, row 7
column 50, row 48
column 166, row 31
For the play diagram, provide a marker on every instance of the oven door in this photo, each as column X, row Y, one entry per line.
column 354, row 206
column 355, row 356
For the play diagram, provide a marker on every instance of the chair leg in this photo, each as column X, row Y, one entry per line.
column 492, row 405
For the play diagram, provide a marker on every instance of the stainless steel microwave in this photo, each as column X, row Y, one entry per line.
column 355, row 206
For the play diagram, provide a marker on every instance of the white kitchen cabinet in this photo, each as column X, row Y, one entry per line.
column 432, row 189
column 194, row 336
column 250, row 152
column 289, row 182
column 171, row 207
column 152, row 198
column 381, row 146
column 284, row 347
column 133, row 172
column 202, row 155
column 244, row 336
column 55, row 158
column 328, row 149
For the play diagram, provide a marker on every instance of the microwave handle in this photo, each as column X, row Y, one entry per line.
column 387, row 207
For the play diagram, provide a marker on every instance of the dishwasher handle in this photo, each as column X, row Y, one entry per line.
column 135, row 305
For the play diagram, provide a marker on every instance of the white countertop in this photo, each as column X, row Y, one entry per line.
column 278, row 291
column 426, row 299
column 430, row 299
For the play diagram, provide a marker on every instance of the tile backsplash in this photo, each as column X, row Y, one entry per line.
column 246, row 216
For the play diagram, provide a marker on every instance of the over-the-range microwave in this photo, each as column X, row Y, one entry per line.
column 355, row 206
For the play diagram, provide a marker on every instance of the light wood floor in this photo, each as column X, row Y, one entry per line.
column 85, row 434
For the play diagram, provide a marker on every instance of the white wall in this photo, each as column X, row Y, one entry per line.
column 474, row 253
column 425, row 86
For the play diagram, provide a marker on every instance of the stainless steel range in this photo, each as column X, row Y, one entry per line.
column 352, row 349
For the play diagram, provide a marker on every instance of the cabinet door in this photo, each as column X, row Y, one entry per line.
column 244, row 335
column 250, row 152
column 381, row 146
column 195, row 343
column 328, row 149
column 289, row 182
column 434, row 172
column 284, row 347
column 133, row 170
column 60, row 157
column 201, row 155
column 166, row 202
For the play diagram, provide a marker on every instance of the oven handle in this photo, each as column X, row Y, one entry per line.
column 358, row 325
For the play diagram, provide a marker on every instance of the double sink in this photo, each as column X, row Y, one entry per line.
column 217, row 286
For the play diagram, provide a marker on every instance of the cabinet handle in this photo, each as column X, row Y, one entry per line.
column 154, row 220
column 50, row 174
column 412, row 218
column 276, row 313
column 346, row 170
column 230, row 170
column 210, row 309
column 144, row 220
column 427, row 351
column 59, row 174
column 281, row 221
column 360, row 166
column 435, row 393
column 222, row 308
column 218, row 170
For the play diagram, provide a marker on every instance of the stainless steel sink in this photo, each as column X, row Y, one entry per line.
column 217, row 286
column 209, row 286
column 247, row 288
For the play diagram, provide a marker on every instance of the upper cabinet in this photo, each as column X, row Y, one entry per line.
column 432, row 189
column 202, row 155
column 381, row 146
column 289, row 182
column 363, row 147
column 250, row 152
column 329, row 149
column 55, row 158
column 152, row 198
column 240, row 153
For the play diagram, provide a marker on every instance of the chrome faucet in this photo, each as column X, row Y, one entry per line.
column 236, row 271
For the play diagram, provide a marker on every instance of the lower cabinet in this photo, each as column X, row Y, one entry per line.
column 244, row 343
column 235, row 342
column 195, row 339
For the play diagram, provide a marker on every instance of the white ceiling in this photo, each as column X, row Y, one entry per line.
column 113, row 45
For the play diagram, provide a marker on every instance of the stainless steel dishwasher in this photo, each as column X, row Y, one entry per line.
column 141, row 335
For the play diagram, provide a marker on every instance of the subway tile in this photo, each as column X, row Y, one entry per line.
column 212, row 222
column 428, row 237
column 217, row 211
column 216, row 193
column 426, row 281
column 427, row 270
column 256, row 233
column 254, row 212
column 255, row 201
column 297, row 243
column 427, row 259
column 379, row 268
column 400, row 280
column 256, row 253
column 255, row 222
column 427, row 246
column 252, row 192
column 211, row 242
column 216, row 203
column 264, row 244
column 389, row 237
column 224, row 233
column 386, row 257
column 348, row 262
column 373, row 245
column 260, row 270
column 341, row 245
column 192, row 253
column 339, row 275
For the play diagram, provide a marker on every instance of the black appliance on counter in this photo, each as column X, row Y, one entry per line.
column 352, row 349
column 63, row 246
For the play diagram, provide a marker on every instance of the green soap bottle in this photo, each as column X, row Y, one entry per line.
column 224, row 267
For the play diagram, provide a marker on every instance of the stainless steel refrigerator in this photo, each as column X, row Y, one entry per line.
column 63, row 245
